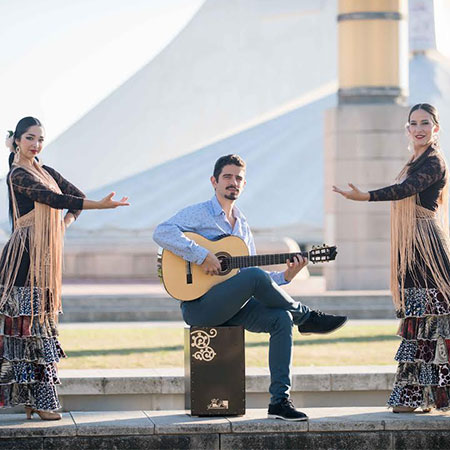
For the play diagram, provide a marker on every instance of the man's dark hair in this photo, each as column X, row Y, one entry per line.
column 226, row 160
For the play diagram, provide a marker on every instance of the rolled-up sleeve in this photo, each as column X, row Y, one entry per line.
column 170, row 235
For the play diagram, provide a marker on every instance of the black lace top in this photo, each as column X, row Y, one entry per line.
column 28, row 189
column 427, row 177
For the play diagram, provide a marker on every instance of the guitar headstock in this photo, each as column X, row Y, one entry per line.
column 322, row 253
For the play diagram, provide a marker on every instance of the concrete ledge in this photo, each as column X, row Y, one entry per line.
column 171, row 381
column 336, row 428
column 163, row 389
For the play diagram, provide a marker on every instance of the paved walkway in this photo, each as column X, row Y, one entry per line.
column 327, row 428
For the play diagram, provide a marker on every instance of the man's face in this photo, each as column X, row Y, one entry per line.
column 231, row 182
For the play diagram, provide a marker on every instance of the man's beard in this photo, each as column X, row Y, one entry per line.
column 232, row 195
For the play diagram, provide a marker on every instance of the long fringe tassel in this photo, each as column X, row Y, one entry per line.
column 420, row 246
column 46, row 258
column 43, row 228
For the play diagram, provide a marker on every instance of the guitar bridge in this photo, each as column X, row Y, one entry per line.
column 188, row 273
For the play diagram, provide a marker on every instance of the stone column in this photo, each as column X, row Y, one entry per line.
column 365, row 139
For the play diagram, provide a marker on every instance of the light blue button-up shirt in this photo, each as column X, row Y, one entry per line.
column 209, row 220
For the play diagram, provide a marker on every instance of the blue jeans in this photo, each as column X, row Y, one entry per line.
column 251, row 299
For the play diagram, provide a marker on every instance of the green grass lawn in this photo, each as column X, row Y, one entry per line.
column 139, row 347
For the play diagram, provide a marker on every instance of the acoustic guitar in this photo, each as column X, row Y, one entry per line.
column 186, row 281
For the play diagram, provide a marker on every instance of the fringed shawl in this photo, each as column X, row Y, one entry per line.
column 420, row 245
column 43, row 228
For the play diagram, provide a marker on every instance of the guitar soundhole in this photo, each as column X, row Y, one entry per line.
column 225, row 262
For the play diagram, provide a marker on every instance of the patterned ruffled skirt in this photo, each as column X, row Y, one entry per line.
column 423, row 374
column 29, row 351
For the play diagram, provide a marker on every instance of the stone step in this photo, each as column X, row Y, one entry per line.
column 119, row 307
column 82, row 307
column 327, row 428
column 163, row 389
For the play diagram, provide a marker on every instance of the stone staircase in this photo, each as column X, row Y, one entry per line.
column 146, row 302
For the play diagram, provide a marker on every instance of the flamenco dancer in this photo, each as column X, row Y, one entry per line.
column 420, row 266
column 31, row 272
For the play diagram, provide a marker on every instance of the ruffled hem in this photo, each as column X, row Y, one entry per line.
column 23, row 326
column 33, row 349
column 24, row 372
column 424, row 351
column 425, row 328
column 41, row 396
column 18, row 301
column 416, row 396
column 420, row 302
column 422, row 374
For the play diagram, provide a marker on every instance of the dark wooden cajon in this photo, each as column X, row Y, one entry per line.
column 214, row 371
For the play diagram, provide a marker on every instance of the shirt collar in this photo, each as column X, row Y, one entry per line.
column 217, row 208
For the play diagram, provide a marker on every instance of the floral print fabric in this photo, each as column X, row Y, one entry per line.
column 423, row 374
column 29, row 351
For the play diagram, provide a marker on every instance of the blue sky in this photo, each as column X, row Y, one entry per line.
column 48, row 46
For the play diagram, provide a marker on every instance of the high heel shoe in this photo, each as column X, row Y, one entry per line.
column 44, row 415
column 403, row 409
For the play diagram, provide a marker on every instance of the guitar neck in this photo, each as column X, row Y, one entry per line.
column 239, row 262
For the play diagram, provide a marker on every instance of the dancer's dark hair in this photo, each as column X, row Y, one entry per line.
column 430, row 109
column 23, row 125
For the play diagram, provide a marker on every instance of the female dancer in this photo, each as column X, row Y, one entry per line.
column 420, row 267
column 30, row 273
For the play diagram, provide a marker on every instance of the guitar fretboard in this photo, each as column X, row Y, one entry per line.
column 238, row 262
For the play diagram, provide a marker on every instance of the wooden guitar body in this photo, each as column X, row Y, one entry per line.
column 187, row 281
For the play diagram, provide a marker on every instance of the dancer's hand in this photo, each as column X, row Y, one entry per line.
column 108, row 202
column 294, row 267
column 211, row 264
column 105, row 203
column 354, row 194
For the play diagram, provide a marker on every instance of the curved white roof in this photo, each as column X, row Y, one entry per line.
column 233, row 63
column 285, row 166
column 284, row 177
column 272, row 119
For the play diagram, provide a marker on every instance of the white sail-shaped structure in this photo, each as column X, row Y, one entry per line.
column 245, row 77
column 235, row 63
column 284, row 178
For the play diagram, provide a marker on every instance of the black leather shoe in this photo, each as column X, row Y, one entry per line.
column 321, row 323
column 285, row 410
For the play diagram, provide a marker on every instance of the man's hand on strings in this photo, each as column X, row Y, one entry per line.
column 294, row 267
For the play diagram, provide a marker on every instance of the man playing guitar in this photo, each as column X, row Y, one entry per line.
column 252, row 298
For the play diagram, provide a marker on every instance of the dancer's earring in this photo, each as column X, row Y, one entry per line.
column 17, row 155
column 435, row 141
